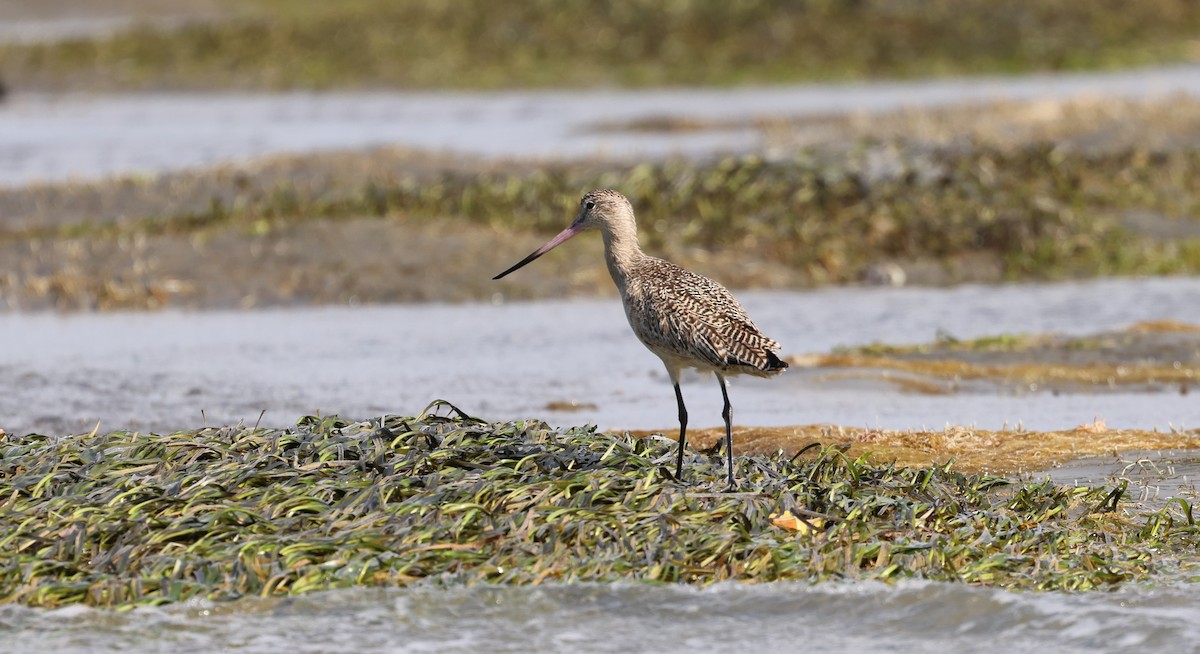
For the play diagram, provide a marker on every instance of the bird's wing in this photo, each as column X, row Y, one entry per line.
column 694, row 317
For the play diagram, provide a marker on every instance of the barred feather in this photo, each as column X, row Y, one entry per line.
column 689, row 318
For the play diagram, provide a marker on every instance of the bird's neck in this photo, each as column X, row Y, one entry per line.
column 621, row 252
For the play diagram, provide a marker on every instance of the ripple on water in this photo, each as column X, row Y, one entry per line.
column 910, row 616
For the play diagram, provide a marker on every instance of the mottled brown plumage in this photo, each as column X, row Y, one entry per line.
column 687, row 320
column 691, row 321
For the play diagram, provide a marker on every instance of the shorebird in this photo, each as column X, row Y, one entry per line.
column 687, row 320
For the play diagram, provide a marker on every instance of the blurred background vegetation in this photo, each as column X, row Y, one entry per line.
column 285, row 44
column 1094, row 186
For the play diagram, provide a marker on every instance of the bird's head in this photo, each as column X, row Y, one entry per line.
column 603, row 209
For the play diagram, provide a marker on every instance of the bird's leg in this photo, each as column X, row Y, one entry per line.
column 727, row 414
column 682, row 432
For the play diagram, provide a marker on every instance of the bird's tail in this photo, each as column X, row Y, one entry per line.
column 774, row 363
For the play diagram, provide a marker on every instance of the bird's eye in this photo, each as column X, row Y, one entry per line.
column 588, row 206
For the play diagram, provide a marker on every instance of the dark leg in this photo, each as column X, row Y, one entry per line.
column 727, row 414
column 682, row 432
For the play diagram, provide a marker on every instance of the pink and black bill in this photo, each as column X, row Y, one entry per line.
column 562, row 237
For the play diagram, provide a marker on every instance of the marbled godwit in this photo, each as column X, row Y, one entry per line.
column 686, row 319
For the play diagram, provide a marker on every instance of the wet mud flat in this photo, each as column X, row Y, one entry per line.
column 1007, row 191
column 1149, row 358
column 1152, row 356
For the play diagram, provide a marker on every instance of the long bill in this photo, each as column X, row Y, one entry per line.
column 550, row 245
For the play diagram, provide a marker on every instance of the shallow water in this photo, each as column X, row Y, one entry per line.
column 170, row 370
column 56, row 138
column 1154, row 476
column 860, row 617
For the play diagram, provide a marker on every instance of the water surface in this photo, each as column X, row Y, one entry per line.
column 172, row 370
column 909, row 617
column 55, row 138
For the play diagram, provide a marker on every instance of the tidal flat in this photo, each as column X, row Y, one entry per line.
column 133, row 518
column 162, row 330
column 923, row 210
column 125, row 519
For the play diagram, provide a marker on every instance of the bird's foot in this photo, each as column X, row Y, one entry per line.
column 677, row 477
